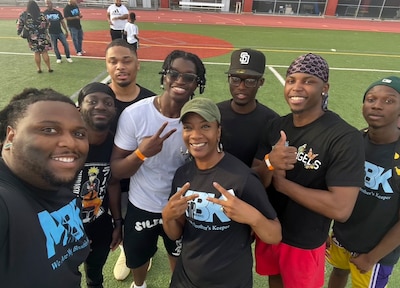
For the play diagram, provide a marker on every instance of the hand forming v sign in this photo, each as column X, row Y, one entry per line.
column 235, row 208
column 178, row 203
column 152, row 145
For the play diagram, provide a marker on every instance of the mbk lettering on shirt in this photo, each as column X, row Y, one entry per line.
column 200, row 209
column 62, row 227
column 75, row 12
column 53, row 17
column 375, row 177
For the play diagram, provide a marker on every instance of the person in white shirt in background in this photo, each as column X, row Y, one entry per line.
column 117, row 15
column 131, row 31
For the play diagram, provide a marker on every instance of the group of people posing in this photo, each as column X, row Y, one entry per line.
column 209, row 178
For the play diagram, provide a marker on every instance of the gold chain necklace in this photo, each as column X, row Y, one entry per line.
column 159, row 104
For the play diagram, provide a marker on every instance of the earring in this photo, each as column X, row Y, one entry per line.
column 220, row 148
column 8, row 146
column 324, row 101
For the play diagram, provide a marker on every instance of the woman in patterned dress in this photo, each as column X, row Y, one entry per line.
column 38, row 39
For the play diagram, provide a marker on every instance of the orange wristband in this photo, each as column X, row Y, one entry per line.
column 269, row 165
column 140, row 155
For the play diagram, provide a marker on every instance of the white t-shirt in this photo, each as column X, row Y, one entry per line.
column 116, row 11
column 150, row 186
column 131, row 30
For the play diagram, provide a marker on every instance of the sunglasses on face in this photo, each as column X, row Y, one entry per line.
column 186, row 77
column 248, row 82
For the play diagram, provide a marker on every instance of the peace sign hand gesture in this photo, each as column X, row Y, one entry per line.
column 152, row 145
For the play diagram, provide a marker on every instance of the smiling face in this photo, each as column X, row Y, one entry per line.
column 381, row 107
column 201, row 139
column 98, row 111
column 180, row 89
column 49, row 145
column 303, row 93
column 122, row 65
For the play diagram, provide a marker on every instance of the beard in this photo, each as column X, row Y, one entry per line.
column 55, row 181
column 96, row 126
column 32, row 165
column 124, row 84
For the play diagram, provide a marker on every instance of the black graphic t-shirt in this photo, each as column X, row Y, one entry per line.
column 91, row 183
column 54, row 17
column 216, row 251
column 330, row 153
column 41, row 234
column 378, row 204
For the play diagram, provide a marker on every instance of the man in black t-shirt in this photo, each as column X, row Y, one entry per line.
column 96, row 187
column 73, row 16
column 366, row 246
column 316, row 163
column 243, row 117
column 56, row 20
column 42, row 240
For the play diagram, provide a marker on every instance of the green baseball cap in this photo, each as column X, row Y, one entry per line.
column 205, row 107
column 392, row 81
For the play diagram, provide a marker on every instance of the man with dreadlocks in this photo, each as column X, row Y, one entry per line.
column 148, row 149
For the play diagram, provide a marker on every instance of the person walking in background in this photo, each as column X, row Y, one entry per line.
column 117, row 15
column 41, row 231
column 147, row 149
column 215, row 224
column 56, row 20
column 316, row 161
column 95, row 185
column 243, row 117
column 131, row 31
column 366, row 246
column 38, row 39
column 122, row 66
column 73, row 16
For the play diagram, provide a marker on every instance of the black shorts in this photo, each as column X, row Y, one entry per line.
column 141, row 232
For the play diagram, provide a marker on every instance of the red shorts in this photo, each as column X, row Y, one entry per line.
column 297, row 267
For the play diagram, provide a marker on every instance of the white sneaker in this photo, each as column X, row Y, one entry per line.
column 120, row 269
column 135, row 286
column 59, row 61
column 69, row 60
column 79, row 53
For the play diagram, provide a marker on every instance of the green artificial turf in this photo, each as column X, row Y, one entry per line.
column 356, row 59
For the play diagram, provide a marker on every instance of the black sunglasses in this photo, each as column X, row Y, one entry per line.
column 186, row 77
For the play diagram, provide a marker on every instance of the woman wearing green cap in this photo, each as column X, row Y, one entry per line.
column 215, row 204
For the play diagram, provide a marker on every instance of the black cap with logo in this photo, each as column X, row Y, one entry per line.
column 247, row 62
